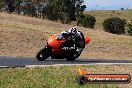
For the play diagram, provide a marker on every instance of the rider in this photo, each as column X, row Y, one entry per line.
column 75, row 37
column 78, row 38
column 70, row 43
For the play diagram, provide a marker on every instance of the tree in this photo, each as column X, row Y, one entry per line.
column 88, row 21
column 122, row 8
column 64, row 10
column 129, row 28
column 10, row 4
column 114, row 25
column 1, row 4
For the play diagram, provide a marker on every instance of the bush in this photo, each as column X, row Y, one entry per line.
column 115, row 25
column 88, row 21
column 129, row 30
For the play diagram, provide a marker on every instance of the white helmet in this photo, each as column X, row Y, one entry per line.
column 72, row 30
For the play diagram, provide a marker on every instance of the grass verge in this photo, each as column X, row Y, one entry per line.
column 59, row 76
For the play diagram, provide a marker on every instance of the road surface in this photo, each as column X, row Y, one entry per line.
column 24, row 61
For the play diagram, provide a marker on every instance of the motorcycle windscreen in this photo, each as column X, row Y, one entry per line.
column 53, row 42
column 87, row 40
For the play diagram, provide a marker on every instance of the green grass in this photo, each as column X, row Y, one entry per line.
column 49, row 77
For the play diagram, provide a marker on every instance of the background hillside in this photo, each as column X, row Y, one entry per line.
column 24, row 36
column 101, row 15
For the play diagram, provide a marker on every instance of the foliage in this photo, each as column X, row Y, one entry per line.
column 114, row 25
column 63, row 10
column 122, row 8
column 129, row 30
column 88, row 21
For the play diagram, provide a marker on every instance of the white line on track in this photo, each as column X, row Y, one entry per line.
column 33, row 66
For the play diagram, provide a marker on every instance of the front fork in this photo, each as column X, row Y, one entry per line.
column 49, row 49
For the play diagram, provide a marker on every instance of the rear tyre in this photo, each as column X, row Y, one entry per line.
column 43, row 54
column 72, row 57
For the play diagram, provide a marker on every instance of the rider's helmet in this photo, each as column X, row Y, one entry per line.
column 72, row 31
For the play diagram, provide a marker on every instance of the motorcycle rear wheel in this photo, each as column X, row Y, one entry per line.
column 43, row 54
column 72, row 57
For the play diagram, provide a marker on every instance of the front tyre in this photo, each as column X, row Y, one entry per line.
column 43, row 54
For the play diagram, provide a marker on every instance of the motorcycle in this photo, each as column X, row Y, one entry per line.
column 56, row 49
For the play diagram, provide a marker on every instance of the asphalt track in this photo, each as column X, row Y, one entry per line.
column 28, row 61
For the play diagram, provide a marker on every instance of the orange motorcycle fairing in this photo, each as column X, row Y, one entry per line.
column 52, row 41
column 87, row 40
column 56, row 49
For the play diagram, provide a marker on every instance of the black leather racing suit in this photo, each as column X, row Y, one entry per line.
column 79, row 41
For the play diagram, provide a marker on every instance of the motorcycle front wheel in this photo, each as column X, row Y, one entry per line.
column 43, row 54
